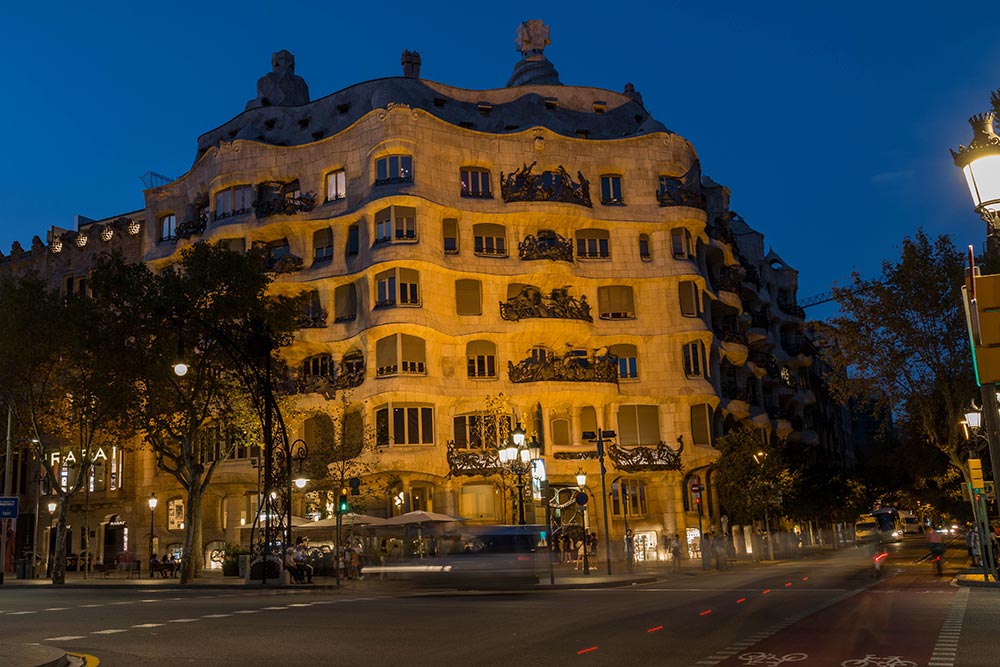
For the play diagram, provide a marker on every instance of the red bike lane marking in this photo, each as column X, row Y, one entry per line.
column 868, row 623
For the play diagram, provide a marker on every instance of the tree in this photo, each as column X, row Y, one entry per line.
column 900, row 342
column 751, row 475
column 61, row 379
column 213, row 310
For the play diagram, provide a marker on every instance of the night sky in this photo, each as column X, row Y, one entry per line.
column 831, row 125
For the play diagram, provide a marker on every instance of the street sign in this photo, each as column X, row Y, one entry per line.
column 581, row 498
column 8, row 507
column 695, row 487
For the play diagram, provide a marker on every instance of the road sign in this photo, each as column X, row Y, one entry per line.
column 581, row 498
column 695, row 487
column 8, row 507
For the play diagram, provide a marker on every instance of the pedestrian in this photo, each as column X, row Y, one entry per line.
column 968, row 541
column 579, row 546
column 592, row 548
column 557, row 548
column 976, row 549
column 302, row 564
column 720, row 553
column 675, row 553
column 629, row 550
column 568, row 553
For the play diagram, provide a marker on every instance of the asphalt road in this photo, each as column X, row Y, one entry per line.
column 810, row 612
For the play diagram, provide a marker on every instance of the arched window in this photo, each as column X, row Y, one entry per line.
column 168, row 228
column 560, row 431
column 400, row 353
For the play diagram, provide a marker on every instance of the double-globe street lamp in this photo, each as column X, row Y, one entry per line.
column 599, row 438
column 581, row 483
column 517, row 457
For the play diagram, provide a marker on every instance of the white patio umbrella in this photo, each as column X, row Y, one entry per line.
column 419, row 518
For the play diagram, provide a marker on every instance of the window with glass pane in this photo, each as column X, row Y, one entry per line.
column 450, row 229
column 490, row 239
column 394, row 169
column 694, row 359
column 409, row 293
column 412, row 353
column 482, row 359
column 690, row 306
column 319, row 365
column 405, row 223
column 701, row 424
column 406, row 424
column 175, row 514
column 323, row 245
column 628, row 361
column 644, row 247
column 680, row 243
column 345, row 302
column 242, row 199
column 385, row 284
column 468, row 297
column 336, row 185
column 353, row 240
column 593, row 244
column 223, row 203
column 168, row 228
column 628, row 498
column 615, row 302
column 638, row 425
column 611, row 190
column 383, row 225
column 475, row 182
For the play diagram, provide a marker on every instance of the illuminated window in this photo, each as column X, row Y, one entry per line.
column 611, row 190
column 475, row 182
column 404, row 424
column 168, row 228
column 593, row 244
column 394, row 169
column 490, row 240
column 236, row 200
column 336, row 185
column 482, row 359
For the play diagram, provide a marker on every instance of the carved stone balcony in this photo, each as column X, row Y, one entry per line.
column 530, row 302
column 574, row 366
column 547, row 245
column 557, row 186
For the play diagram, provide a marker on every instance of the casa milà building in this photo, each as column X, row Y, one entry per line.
column 550, row 248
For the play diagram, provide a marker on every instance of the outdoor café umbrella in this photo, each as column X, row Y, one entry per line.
column 420, row 517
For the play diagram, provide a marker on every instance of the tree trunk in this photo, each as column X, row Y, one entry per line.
column 192, row 561
column 57, row 558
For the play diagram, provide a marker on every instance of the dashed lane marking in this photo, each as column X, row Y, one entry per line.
column 183, row 620
column 21, row 613
column 216, row 615
column 64, row 638
column 946, row 647
column 56, row 609
column 113, row 631
column 148, row 625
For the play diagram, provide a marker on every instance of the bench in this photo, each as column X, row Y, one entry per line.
column 163, row 569
column 129, row 569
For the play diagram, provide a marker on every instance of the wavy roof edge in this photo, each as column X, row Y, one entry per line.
column 573, row 111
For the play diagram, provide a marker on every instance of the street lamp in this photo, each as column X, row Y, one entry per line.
column 759, row 459
column 517, row 458
column 974, row 443
column 299, row 452
column 152, row 555
column 980, row 162
column 581, row 481
column 598, row 438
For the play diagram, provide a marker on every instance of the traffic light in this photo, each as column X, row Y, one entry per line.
column 355, row 484
column 342, row 503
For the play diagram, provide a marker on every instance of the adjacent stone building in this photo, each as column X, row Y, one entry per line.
column 551, row 248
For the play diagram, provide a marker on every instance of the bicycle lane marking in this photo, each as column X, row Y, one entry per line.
column 860, row 630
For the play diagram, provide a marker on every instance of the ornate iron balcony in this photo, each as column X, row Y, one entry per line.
column 531, row 303
column 547, row 245
column 570, row 367
column 558, row 186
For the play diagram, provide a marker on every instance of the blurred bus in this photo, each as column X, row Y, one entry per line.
column 890, row 524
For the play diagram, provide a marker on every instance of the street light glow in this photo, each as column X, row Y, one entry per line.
column 180, row 369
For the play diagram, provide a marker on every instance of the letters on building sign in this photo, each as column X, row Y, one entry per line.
column 69, row 458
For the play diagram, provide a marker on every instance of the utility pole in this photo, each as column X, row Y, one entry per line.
column 7, row 468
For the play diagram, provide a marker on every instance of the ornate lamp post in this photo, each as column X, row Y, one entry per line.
column 599, row 439
column 152, row 555
column 581, row 481
column 975, row 442
column 517, row 458
column 759, row 459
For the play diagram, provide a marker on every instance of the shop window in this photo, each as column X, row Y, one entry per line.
column 482, row 359
column 593, row 244
column 615, row 302
column 469, row 297
column 638, row 424
column 175, row 514
column 404, row 424
column 394, row 169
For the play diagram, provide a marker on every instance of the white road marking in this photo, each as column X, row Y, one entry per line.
column 90, row 606
column 64, row 638
column 56, row 609
column 108, row 632
column 247, row 611
column 216, row 615
column 182, row 620
column 274, row 608
column 22, row 613
column 148, row 625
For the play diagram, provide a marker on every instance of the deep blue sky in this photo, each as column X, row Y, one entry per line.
column 830, row 125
